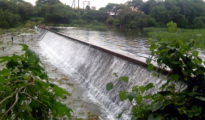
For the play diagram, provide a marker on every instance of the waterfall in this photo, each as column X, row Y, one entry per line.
column 93, row 68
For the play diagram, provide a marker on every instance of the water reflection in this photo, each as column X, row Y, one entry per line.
column 114, row 40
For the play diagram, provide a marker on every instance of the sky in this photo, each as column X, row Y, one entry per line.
column 96, row 3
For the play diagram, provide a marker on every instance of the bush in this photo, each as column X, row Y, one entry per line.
column 199, row 22
column 183, row 94
column 8, row 19
column 141, row 21
column 110, row 21
column 25, row 91
column 171, row 27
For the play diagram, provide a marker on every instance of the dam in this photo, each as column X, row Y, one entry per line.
column 93, row 66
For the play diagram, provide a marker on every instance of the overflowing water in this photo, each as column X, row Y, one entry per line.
column 93, row 68
column 85, row 70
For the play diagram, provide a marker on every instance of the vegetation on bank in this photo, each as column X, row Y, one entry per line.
column 93, row 26
column 17, row 29
column 135, row 14
column 25, row 91
column 185, row 35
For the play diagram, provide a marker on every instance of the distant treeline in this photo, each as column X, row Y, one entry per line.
column 135, row 14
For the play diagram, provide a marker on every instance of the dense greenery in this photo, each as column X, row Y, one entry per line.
column 186, row 35
column 182, row 96
column 25, row 91
column 186, row 13
column 135, row 14
column 8, row 19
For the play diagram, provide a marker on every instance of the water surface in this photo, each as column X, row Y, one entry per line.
column 132, row 43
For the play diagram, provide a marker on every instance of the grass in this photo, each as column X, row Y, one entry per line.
column 186, row 35
column 92, row 26
column 82, row 24
column 4, row 31
column 22, row 29
column 99, row 27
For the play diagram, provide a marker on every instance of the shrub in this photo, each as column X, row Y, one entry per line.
column 171, row 27
column 199, row 22
column 8, row 19
column 110, row 21
column 25, row 91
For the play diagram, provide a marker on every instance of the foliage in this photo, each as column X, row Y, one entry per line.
column 25, row 91
column 25, row 10
column 182, row 96
column 110, row 85
column 55, row 15
column 181, row 12
column 199, row 22
column 141, row 21
column 171, row 27
column 135, row 14
column 94, row 15
column 8, row 19
column 110, row 21
column 185, row 35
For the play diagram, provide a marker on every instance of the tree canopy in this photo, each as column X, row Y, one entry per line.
column 134, row 14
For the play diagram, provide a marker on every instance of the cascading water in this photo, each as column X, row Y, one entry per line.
column 93, row 68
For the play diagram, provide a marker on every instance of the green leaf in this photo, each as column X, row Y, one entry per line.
column 195, row 53
column 59, row 91
column 153, row 117
column 139, row 99
column 150, row 67
column 109, row 86
column 156, row 106
column 130, row 96
column 200, row 98
column 149, row 86
column 5, row 72
column 115, row 74
column 123, row 95
column 174, row 77
column 124, row 79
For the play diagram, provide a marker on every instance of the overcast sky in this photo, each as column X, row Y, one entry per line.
column 96, row 3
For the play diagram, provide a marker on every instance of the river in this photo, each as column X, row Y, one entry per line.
column 116, row 40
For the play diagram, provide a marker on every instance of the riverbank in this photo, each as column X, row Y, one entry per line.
column 20, row 29
column 94, row 26
column 185, row 35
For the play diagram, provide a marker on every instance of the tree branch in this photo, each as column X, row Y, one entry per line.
column 7, row 98
column 16, row 100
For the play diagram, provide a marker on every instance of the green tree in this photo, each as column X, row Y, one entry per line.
column 159, row 12
column 46, row 2
column 55, row 15
column 147, row 6
column 199, row 22
column 110, row 21
column 141, row 20
column 25, row 10
column 135, row 3
column 8, row 19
